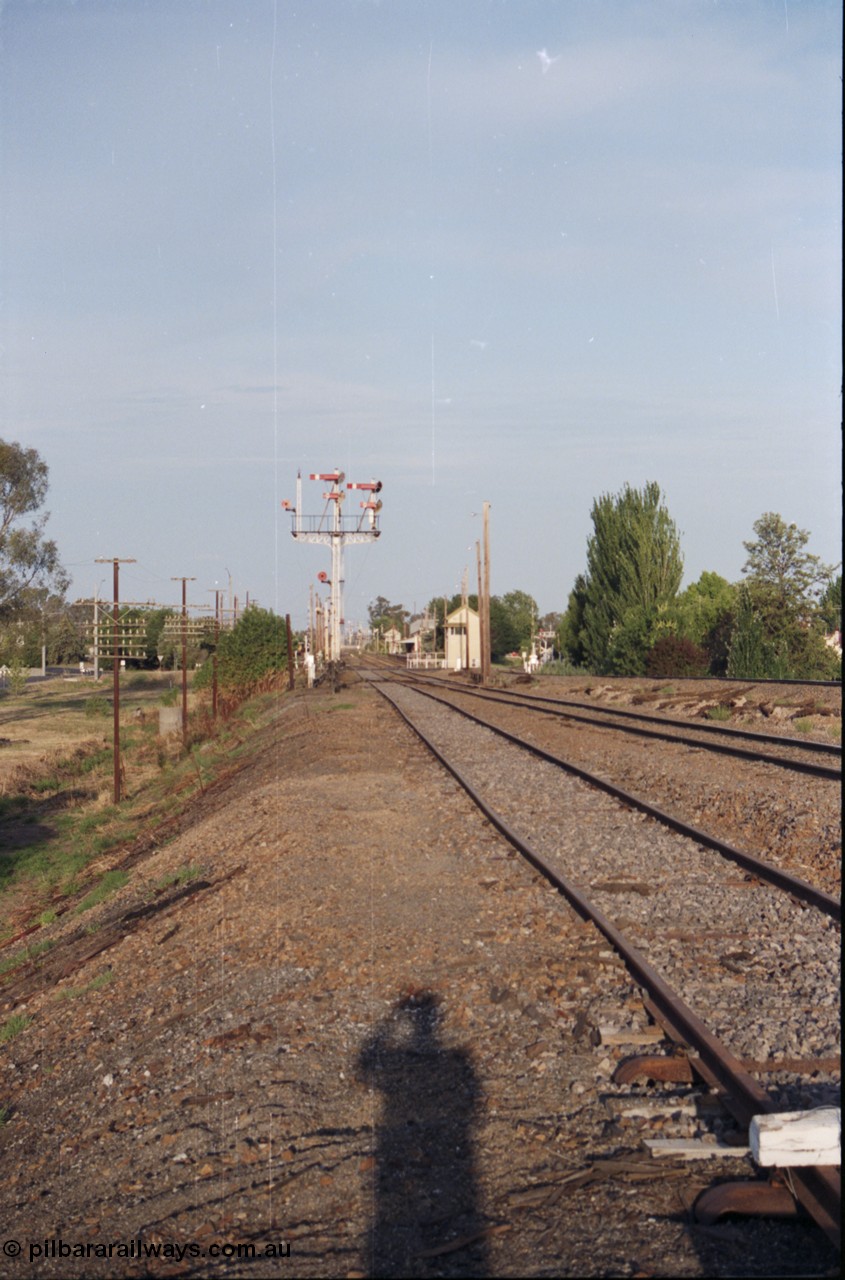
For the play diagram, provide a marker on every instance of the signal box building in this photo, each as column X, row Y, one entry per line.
column 463, row 639
column 392, row 640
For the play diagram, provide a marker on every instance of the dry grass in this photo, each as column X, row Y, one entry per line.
column 51, row 719
column 59, row 828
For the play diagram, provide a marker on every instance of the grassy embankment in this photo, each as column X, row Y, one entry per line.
column 59, row 827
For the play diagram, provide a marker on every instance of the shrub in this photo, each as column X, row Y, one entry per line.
column 676, row 656
column 95, row 706
column 255, row 649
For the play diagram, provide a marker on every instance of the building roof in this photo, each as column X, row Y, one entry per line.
column 459, row 615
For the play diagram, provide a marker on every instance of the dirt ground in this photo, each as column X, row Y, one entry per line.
column 335, row 1011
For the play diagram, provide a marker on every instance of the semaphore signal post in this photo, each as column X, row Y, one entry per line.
column 334, row 529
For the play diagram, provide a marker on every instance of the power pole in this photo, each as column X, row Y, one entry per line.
column 485, row 652
column 214, row 655
column 465, row 608
column 97, row 632
column 480, row 611
column 334, row 529
column 184, row 582
column 116, row 563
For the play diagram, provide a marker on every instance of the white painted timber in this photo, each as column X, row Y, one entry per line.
column 691, row 1149
column 793, row 1138
column 632, row 1035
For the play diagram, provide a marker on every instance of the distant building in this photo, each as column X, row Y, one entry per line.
column 392, row 641
column 463, row 639
column 418, row 628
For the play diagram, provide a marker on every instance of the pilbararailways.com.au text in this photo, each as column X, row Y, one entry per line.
column 141, row 1249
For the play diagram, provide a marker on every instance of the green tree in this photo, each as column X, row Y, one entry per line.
column 254, row 649
column 634, row 565
column 27, row 559
column 384, row 615
column 522, row 612
column 571, row 628
column 830, row 604
column 782, row 575
column 513, row 621
column 697, row 609
column 785, row 583
column 752, row 653
column 160, row 651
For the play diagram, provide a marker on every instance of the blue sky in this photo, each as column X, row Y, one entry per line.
column 503, row 250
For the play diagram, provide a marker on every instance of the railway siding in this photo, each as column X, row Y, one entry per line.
column 761, row 969
column 793, row 821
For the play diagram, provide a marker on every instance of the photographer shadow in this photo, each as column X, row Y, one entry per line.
column 426, row 1219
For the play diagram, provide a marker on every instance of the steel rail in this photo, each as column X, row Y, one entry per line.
column 794, row 885
column 560, row 708
column 818, row 1187
column 817, row 684
column 731, row 731
column 744, row 680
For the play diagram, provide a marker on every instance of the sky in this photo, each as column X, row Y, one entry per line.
column 516, row 251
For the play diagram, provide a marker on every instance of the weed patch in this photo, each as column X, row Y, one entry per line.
column 14, row 1026
column 184, row 875
column 718, row 713
column 110, row 883
column 96, row 984
column 30, row 952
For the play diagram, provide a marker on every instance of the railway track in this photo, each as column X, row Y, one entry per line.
column 737, row 970
column 803, row 756
column 742, row 808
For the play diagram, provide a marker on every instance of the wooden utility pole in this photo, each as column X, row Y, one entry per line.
column 214, row 655
column 480, row 611
column 97, row 632
column 184, row 582
column 289, row 634
column 465, row 608
column 116, row 563
column 485, row 652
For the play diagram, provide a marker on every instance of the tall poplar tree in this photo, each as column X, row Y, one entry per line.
column 634, row 565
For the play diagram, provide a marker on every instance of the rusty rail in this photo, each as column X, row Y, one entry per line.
column 558, row 707
column 794, row 885
column 818, row 1188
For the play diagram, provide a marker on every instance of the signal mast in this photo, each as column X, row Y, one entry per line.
column 336, row 530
